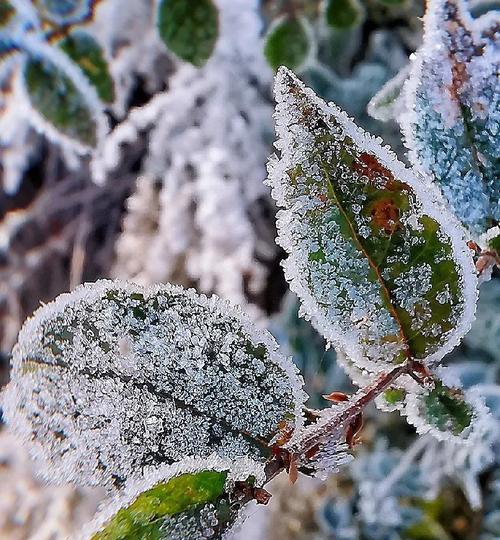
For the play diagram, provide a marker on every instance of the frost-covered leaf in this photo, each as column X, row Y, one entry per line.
column 65, row 12
column 84, row 50
column 189, row 29
column 343, row 14
column 59, row 101
column 387, row 103
column 453, row 100
column 380, row 265
column 195, row 499
column 446, row 412
column 287, row 43
column 114, row 377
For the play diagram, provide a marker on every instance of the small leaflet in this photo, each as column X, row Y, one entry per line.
column 447, row 412
column 114, row 378
column 288, row 43
column 379, row 263
column 194, row 499
column 453, row 111
column 189, row 29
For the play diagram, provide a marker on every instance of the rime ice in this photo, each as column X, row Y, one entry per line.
column 114, row 378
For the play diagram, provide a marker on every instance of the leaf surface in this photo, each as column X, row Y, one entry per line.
column 380, row 265
column 59, row 101
column 453, row 101
column 113, row 378
column 84, row 50
column 287, row 43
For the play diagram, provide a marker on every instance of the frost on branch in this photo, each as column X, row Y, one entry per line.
column 380, row 265
column 451, row 127
column 114, row 378
column 193, row 499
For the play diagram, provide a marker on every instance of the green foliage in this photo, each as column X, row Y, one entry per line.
column 207, row 381
column 287, row 43
column 189, row 28
column 447, row 410
column 344, row 14
column 169, row 506
column 59, row 101
column 87, row 53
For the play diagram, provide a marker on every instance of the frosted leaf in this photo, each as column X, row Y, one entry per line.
column 388, row 102
column 453, row 103
column 194, row 499
column 114, row 377
column 447, row 412
column 381, row 267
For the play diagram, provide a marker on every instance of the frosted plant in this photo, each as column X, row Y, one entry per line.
column 209, row 140
column 453, row 111
column 177, row 402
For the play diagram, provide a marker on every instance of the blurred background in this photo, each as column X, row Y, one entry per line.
column 134, row 146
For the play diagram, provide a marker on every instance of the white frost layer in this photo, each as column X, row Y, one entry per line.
column 67, row 399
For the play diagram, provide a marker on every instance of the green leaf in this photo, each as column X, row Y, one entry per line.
column 157, row 373
column 287, row 43
column 84, row 50
column 381, row 267
column 443, row 411
column 196, row 498
column 189, row 28
column 447, row 410
column 454, row 111
column 176, row 505
column 343, row 14
column 58, row 100
column 6, row 12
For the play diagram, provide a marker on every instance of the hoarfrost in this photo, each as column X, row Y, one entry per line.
column 376, row 310
column 115, row 378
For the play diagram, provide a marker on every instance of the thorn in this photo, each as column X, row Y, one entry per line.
column 336, row 397
column 293, row 473
column 261, row 496
column 353, row 429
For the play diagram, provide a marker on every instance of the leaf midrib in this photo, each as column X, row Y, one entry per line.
column 383, row 285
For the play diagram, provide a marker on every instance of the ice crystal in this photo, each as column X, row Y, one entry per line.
column 114, row 378
column 451, row 126
column 369, row 243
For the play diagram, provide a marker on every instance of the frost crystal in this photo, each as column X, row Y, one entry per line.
column 380, row 265
column 451, row 126
column 115, row 378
